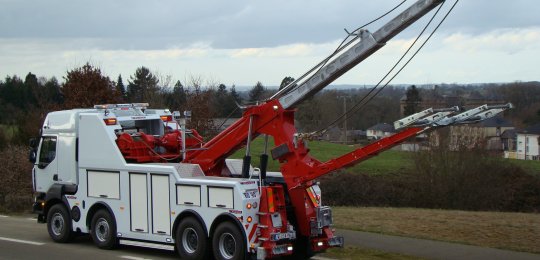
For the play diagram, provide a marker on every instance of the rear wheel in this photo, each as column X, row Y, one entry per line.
column 191, row 240
column 228, row 243
column 103, row 230
column 59, row 224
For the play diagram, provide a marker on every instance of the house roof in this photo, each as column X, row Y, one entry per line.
column 534, row 129
column 509, row 134
column 382, row 127
column 497, row 121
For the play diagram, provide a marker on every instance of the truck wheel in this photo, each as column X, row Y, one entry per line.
column 228, row 243
column 59, row 224
column 191, row 240
column 103, row 230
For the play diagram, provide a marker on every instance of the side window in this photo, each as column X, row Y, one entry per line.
column 48, row 151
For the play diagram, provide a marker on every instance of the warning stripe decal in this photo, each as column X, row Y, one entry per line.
column 252, row 233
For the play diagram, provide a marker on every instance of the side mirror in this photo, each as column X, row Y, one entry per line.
column 32, row 156
column 33, row 143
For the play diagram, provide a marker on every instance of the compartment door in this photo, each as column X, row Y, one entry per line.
column 103, row 184
column 161, row 220
column 138, row 195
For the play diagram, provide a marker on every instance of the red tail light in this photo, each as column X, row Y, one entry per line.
column 166, row 118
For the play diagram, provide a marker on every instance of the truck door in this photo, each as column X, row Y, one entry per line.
column 47, row 164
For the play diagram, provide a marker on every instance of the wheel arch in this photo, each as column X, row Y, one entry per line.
column 55, row 195
column 231, row 218
column 95, row 208
column 189, row 213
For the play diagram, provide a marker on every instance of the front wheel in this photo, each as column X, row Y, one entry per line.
column 191, row 240
column 59, row 224
column 103, row 230
column 228, row 243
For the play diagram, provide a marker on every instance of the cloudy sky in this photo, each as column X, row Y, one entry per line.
column 244, row 41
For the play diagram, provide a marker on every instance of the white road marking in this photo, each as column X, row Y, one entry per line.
column 134, row 257
column 3, row 216
column 22, row 241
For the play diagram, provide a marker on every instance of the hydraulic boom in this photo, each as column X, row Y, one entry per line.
column 275, row 118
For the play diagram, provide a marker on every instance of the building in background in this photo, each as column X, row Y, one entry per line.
column 379, row 131
column 528, row 143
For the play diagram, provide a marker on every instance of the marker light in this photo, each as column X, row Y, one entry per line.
column 249, row 219
column 166, row 118
column 110, row 121
column 248, row 206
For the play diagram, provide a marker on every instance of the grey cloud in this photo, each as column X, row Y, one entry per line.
column 137, row 24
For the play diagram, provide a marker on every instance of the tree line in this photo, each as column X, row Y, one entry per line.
column 24, row 102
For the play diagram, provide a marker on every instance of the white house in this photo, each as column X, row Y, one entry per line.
column 528, row 143
column 379, row 131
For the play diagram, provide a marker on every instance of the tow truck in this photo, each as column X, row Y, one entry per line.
column 118, row 173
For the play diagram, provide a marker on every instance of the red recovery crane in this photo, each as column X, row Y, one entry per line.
column 298, row 198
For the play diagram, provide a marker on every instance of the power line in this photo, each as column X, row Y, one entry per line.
column 340, row 47
column 356, row 106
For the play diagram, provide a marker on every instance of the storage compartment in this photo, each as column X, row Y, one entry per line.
column 220, row 197
column 188, row 195
column 138, row 202
column 103, row 184
column 161, row 220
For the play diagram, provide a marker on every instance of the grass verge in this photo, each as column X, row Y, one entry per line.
column 513, row 231
column 353, row 253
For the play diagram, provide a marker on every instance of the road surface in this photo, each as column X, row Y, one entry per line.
column 21, row 237
column 24, row 238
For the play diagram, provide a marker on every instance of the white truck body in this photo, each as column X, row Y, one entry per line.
column 78, row 155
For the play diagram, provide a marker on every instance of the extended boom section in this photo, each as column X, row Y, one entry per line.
column 367, row 45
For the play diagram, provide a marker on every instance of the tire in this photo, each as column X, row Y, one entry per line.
column 228, row 242
column 103, row 230
column 59, row 224
column 191, row 240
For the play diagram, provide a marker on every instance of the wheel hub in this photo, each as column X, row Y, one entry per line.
column 102, row 230
column 227, row 245
column 57, row 222
column 190, row 240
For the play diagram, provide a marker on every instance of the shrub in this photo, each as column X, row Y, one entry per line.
column 465, row 178
column 15, row 179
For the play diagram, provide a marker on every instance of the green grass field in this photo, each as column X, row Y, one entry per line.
column 506, row 230
column 532, row 167
column 386, row 162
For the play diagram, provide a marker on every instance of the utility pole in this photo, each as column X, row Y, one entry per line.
column 345, row 121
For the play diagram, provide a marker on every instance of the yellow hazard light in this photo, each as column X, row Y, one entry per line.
column 110, row 121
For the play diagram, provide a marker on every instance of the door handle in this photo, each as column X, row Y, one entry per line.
column 55, row 177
